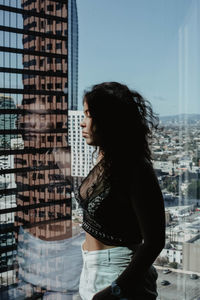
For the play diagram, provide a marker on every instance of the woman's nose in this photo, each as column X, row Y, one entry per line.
column 82, row 124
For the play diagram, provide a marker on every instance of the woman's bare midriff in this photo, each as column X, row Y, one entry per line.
column 92, row 244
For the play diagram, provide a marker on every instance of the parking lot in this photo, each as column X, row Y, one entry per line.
column 181, row 286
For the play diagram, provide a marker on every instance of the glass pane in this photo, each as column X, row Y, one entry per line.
column 153, row 46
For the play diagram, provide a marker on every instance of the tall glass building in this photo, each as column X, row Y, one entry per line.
column 73, row 55
column 38, row 84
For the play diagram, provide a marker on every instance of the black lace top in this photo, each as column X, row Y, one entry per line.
column 107, row 212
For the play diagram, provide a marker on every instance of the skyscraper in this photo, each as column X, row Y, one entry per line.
column 43, row 123
column 81, row 153
column 37, row 51
column 73, row 55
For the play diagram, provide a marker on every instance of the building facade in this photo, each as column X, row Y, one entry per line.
column 73, row 55
column 43, row 123
column 7, row 121
column 81, row 153
column 35, row 50
column 191, row 254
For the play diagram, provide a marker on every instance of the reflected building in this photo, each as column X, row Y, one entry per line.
column 7, row 121
column 41, row 50
column 43, row 189
column 81, row 156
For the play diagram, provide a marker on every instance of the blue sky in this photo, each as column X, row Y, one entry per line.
column 150, row 45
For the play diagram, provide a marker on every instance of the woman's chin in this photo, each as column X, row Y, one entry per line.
column 90, row 142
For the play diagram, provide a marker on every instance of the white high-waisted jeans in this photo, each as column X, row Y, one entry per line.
column 102, row 267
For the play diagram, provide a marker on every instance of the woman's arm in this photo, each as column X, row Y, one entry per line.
column 148, row 205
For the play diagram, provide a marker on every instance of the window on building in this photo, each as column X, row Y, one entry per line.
column 58, row 97
column 59, row 6
column 49, row 46
column 41, row 214
column 41, row 62
column 59, row 124
column 50, row 99
column 58, row 60
column 58, row 86
column 49, row 86
column 49, row 21
column 50, row 7
column 42, row 24
column 59, row 138
column 50, row 138
column 58, row 32
column 59, row 45
column 49, row 60
column 40, row 176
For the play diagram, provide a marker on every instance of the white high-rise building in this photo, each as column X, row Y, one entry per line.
column 81, row 153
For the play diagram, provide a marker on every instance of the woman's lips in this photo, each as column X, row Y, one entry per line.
column 84, row 134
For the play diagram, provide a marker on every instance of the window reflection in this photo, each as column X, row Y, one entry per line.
column 37, row 199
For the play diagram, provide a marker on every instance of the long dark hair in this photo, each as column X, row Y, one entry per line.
column 123, row 123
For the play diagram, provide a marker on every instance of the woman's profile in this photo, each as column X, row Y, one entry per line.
column 123, row 207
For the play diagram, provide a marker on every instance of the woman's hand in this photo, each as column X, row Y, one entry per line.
column 104, row 294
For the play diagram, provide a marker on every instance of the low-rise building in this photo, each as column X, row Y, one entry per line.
column 173, row 254
column 191, row 254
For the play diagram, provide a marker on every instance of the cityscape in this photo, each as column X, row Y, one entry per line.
column 44, row 158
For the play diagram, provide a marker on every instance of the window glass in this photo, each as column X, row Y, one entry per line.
column 39, row 89
column 153, row 46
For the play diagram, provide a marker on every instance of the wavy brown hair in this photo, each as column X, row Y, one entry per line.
column 123, row 123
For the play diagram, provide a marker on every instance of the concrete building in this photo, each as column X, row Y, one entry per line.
column 167, row 217
column 81, row 153
column 191, row 254
column 181, row 210
column 173, row 255
column 164, row 166
column 43, row 193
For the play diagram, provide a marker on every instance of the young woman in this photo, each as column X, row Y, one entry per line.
column 121, row 199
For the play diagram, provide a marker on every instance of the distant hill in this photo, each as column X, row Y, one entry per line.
column 189, row 118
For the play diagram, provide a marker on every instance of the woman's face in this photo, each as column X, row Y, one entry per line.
column 86, row 126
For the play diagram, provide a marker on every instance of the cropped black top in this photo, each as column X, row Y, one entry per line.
column 107, row 212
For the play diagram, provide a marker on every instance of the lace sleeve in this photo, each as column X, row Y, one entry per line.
column 93, row 184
